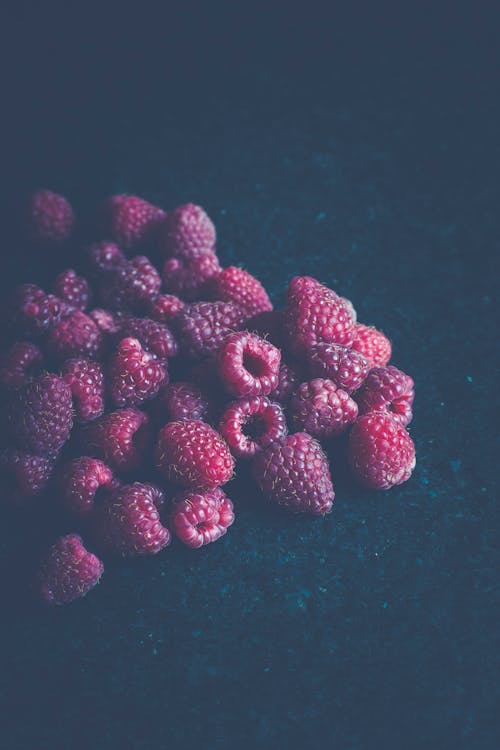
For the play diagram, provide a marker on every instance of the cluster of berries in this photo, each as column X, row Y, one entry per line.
column 127, row 373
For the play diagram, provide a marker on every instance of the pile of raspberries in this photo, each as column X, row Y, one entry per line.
column 133, row 388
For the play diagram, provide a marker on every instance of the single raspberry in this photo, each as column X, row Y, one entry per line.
column 32, row 312
column 67, row 572
column 103, row 257
column 251, row 424
column 86, row 380
column 73, row 289
column 321, row 409
column 24, row 475
column 104, row 320
column 187, row 232
column 202, row 326
column 130, row 286
column 164, row 307
column 183, row 400
column 315, row 314
column 80, row 481
column 128, row 523
column 189, row 277
column 237, row 285
column 155, row 338
column 20, row 364
column 76, row 335
column 346, row 367
column 294, row 473
column 373, row 344
column 41, row 415
column 193, row 454
column 50, row 217
column 268, row 325
column 133, row 375
column 381, row 453
column 121, row 439
column 130, row 221
column 200, row 518
column 388, row 389
column 248, row 365
column 289, row 377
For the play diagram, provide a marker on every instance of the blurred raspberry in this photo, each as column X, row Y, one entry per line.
column 268, row 325
column 23, row 475
column 73, row 289
column 188, row 278
column 80, row 481
column 164, row 307
column 106, row 322
column 202, row 326
column 240, row 287
column 290, row 375
column 50, row 217
column 187, row 232
column 130, row 286
column 76, row 335
column 130, row 221
column 155, row 338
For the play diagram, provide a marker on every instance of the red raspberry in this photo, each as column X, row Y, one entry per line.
column 86, row 380
column 268, row 325
column 129, row 220
column 103, row 257
column 130, row 286
column 289, row 377
column 346, row 367
column 32, row 312
column 80, row 481
column 202, row 326
column 67, row 572
column 294, row 473
column 155, row 338
column 315, row 314
column 76, row 335
column 387, row 389
column 248, row 365
column 73, row 289
column 322, row 409
column 134, row 375
column 50, row 217
column 122, row 439
column 372, row 344
column 104, row 320
column 164, row 307
column 24, row 475
column 200, row 518
column 128, row 523
column 193, row 454
column 381, row 453
column 189, row 277
column 20, row 364
column 183, row 401
column 41, row 415
column 237, row 285
column 187, row 232
column 251, row 424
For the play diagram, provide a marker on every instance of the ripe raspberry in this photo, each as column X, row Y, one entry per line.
column 294, row 473
column 76, row 335
column 86, row 380
column 128, row 523
column 189, row 277
column 50, row 217
column 322, row 409
column 248, row 365
column 193, row 454
column 315, row 314
column 164, row 307
column 200, row 518
column 187, row 232
column 134, row 375
column 122, row 439
column 202, row 326
column 32, row 312
column 155, row 338
column 183, row 401
column 73, row 289
column 67, row 572
column 289, row 377
column 388, row 389
column 251, row 424
column 80, row 481
column 20, row 364
column 346, row 367
column 268, row 325
column 24, row 475
column 129, row 220
column 373, row 344
column 104, row 320
column 237, row 285
column 103, row 257
column 130, row 286
column 40, row 415
column 381, row 452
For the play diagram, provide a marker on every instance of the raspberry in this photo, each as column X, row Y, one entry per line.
column 372, row 344
column 76, row 335
column 32, row 312
column 103, row 257
column 67, row 572
column 164, row 307
column 381, row 453
column 183, row 401
column 41, row 416
column 387, row 389
column 121, row 439
column 200, row 518
column 86, row 380
column 189, row 277
column 193, row 454
column 129, row 220
column 73, row 289
column 268, row 325
column 294, row 473
column 104, row 320
column 237, row 285
column 20, row 364
column 187, row 232
column 155, row 338
column 322, row 409
column 130, row 286
column 80, row 481
column 346, row 367
column 134, row 375
column 128, row 523
column 24, row 475
column 289, row 376
column 50, row 217
column 202, row 326
column 315, row 314
column 251, row 424
column 249, row 365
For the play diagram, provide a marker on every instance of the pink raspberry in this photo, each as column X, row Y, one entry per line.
column 372, row 344
column 251, row 424
column 19, row 365
column 189, row 277
column 73, row 289
column 192, row 454
column 76, row 335
column 268, row 325
column 237, row 285
column 122, row 439
column 32, row 312
column 248, row 365
column 321, row 409
column 155, row 338
column 50, row 217
column 183, row 400
column 128, row 523
column 24, row 475
column 347, row 368
column 104, row 320
column 164, row 307
column 67, row 572
column 388, row 389
column 289, row 377
column 86, row 380
column 79, row 482
column 130, row 286
column 134, row 375
column 187, row 232
column 294, row 473
column 200, row 518
column 130, row 221
column 103, row 257
column 202, row 326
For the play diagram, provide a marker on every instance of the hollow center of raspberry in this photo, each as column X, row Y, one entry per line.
column 255, row 427
column 254, row 364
